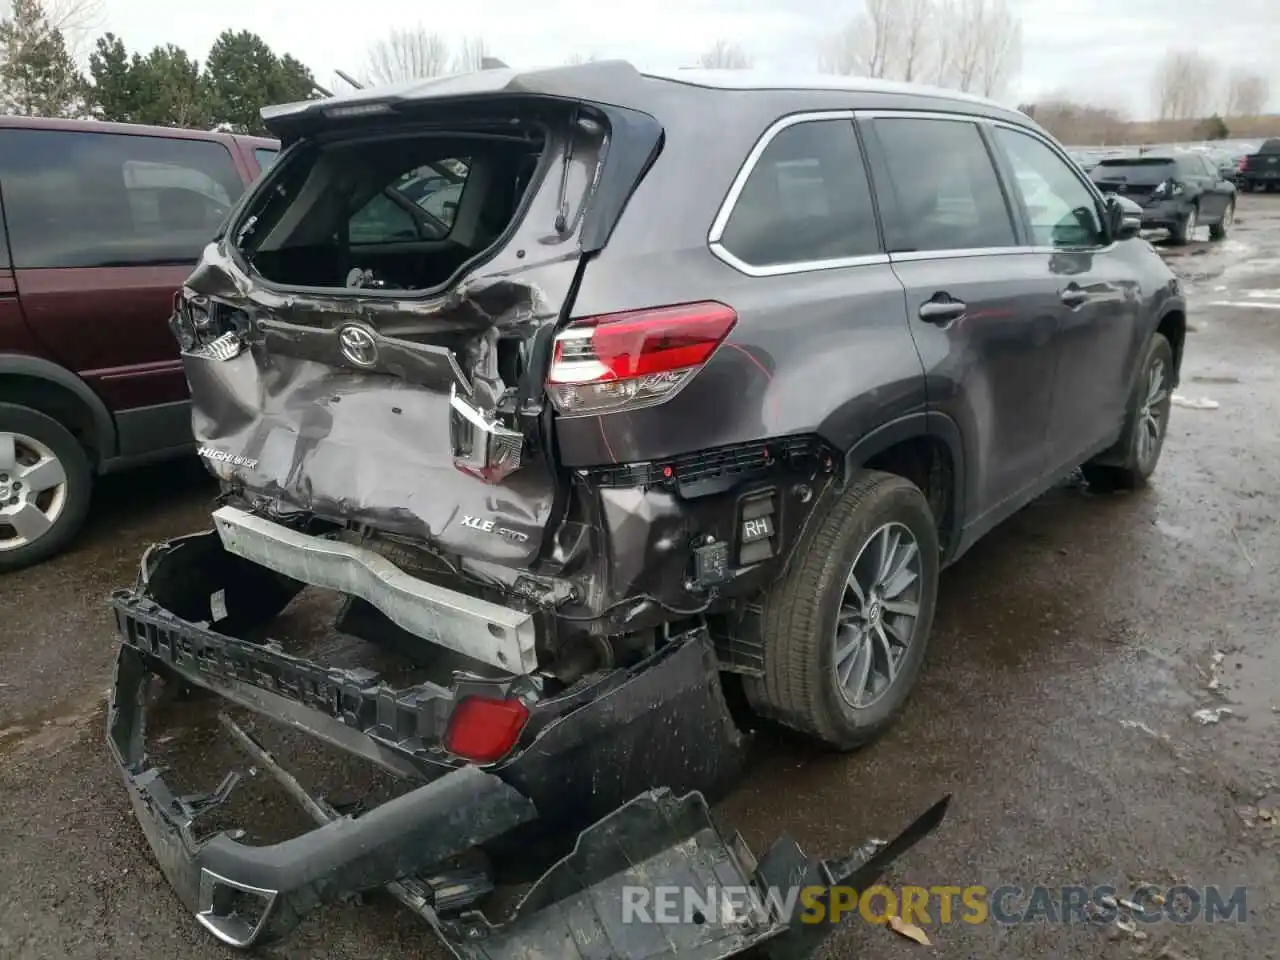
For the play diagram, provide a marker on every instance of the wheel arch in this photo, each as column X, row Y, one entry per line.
column 926, row 448
column 59, row 393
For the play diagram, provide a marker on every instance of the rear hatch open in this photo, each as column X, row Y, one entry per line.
column 367, row 343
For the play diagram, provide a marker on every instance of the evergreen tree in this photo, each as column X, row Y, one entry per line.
column 38, row 76
column 244, row 75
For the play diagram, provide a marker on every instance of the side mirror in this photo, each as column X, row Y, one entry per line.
column 1124, row 217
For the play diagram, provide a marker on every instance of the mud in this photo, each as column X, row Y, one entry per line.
column 1071, row 649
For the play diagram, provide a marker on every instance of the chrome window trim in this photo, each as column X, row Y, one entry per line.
column 739, row 184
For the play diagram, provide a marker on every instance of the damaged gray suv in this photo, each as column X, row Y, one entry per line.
column 622, row 409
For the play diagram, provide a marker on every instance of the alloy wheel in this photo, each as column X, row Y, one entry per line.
column 33, row 490
column 1153, row 416
column 878, row 614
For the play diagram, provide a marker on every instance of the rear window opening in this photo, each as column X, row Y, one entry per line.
column 396, row 213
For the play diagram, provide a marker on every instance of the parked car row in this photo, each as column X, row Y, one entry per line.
column 1177, row 192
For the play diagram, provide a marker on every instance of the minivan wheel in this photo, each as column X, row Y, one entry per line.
column 1132, row 461
column 1184, row 232
column 45, row 486
column 844, row 632
column 1219, row 230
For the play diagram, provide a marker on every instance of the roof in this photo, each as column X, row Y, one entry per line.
column 133, row 129
column 614, row 82
column 766, row 80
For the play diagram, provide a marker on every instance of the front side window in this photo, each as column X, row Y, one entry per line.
column 101, row 200
column 806, row 201
column 948, row 194
column 1061, row 209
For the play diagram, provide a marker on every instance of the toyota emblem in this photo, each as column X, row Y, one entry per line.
column 358, row 345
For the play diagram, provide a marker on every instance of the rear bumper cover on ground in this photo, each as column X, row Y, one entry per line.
column 591, row 767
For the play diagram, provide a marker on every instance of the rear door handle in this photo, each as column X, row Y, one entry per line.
column 942, row 312
column 1073, row 296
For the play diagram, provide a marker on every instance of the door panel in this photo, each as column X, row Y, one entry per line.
column 104, row 228
column 952, row 237
column 991, row 368
column 1080, row 277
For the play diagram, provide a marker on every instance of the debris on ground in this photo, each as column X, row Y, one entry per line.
column 1194, row 403
column 1209, row 715
column 1215, row 676
column 909, row 930
column 1139, row 725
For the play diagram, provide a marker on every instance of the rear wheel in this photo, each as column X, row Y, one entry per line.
column 45, row 486
column 845, row 631
column 1219, row 230
column 1138, row 452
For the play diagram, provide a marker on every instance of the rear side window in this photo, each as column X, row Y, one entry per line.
column 806, row 200
column 948, row 194
column 106, row 200
column 265, row 156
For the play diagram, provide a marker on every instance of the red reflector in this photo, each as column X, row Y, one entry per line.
column 639, row 343
column 484, row 729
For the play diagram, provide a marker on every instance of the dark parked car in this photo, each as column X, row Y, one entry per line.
column 1261, row 170
column 664, row 411
column 1178, row 192
column 102, row 223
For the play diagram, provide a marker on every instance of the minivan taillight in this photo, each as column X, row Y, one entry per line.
column 626, row 361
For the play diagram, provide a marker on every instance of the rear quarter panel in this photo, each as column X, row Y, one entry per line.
column 825, row 351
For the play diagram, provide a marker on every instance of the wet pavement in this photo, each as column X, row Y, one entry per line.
column 1071, row 650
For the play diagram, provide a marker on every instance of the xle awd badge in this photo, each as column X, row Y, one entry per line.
column 488, row 526
column 357, row 345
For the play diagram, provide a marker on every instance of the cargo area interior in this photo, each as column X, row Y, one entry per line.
column 401, row 212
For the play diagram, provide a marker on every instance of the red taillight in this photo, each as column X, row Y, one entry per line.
column 1244, row 163
column 624, row 361
column 484, row 729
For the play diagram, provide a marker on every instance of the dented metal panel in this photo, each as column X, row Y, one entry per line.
column 499, row 636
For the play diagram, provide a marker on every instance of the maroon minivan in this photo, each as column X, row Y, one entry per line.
column 102, row 224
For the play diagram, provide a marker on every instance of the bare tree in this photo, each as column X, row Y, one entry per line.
column 724, row 55
column 407, row 54
column 867, row 45
column 576, row 59
column 1000, row 52
column 917, row 35
column 1182, row 85
column 471, row 55
column 1247, row 94
column 77, row 19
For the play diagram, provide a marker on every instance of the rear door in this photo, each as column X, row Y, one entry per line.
column 982, row 316
column 104, row 228
column 1083, row 274
column 1198, row 171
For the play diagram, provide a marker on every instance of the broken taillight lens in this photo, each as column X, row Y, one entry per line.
column 484, row 729
column 626, row 361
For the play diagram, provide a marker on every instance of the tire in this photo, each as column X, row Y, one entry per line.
column 35, row 437
column 800, row 687
column 1130, row 463
column 1218, row 231
column 1184, row 232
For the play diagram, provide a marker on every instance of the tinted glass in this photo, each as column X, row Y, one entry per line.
column 100, row 199
column 266, row 156
column 949, row 196
column 806, row 200
column 1139, row 172
column 1061, row 209
column 417, row 205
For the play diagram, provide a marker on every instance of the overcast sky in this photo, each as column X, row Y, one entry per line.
column 1103, row 50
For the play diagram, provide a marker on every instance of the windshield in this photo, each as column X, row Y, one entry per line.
column 1135, row 171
